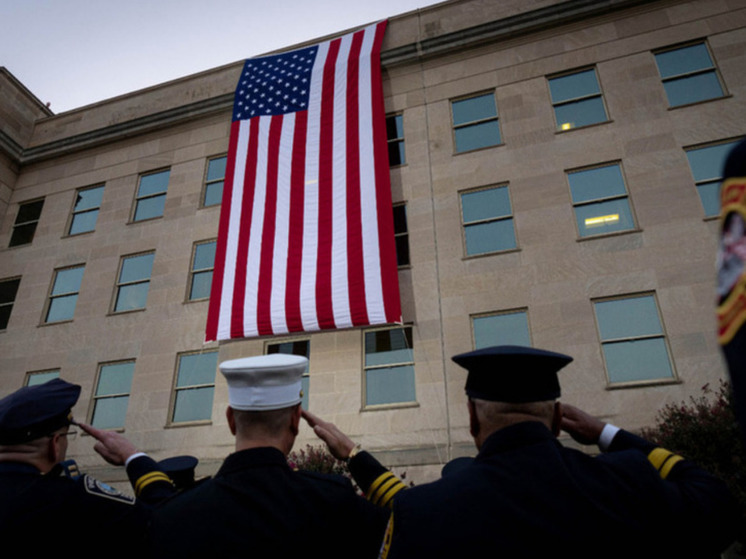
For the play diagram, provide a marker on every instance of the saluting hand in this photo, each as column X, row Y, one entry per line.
column 340, row 445
column 113, row 447
column 580, row 425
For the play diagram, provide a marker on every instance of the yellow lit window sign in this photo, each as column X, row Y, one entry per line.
column 601, row 220
column 566, row 125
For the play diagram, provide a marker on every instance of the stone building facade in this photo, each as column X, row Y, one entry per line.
column 554, row 168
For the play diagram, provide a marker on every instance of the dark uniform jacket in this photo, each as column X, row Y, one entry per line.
column 47, row 514
column 257, row 506
column 525, row 495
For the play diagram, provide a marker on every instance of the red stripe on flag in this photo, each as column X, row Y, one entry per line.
column 216, row 290
column 264, row 292
column 324, row 306
column 355, row 266
column 295, row 241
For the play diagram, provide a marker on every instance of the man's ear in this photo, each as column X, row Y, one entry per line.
column 473, row 419
column 295, row 420
column 557, row 419
column 231, row 420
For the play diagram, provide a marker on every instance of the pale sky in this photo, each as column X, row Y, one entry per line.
column 71, row 53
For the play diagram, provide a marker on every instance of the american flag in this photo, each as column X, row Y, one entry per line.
column 306, row 238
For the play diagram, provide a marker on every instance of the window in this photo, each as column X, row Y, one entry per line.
column 85, row 210
column 488, row 220
column 64, row 294
column 298, row 347
column 33, row 379
column 389, row 366
column 401, row 235
column 689, row 74
column 151, row 195
column 599, row 197
column 632, row 339
column 200, row 277
column 134, row 282
column 707, row 164
column 577, row 99
column 395, row 135
column 26, row 221
column 213, row 192
column 506, row 328
column 109, row 406
column 475, row 122
column 195, row 386
column 8, row 291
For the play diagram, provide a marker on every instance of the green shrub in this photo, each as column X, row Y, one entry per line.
column 705, row 430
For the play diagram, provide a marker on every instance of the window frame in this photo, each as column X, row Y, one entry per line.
column 118, row 283
column 559, row 127
column 306, row 377
column 700, row 184
column 95, row 398
column 612, row 384
column 507, row 312
column 397, row 140
column 139, row 198
column 366, row 368
column 207, row 183
column 194, row 272
column 713, row 69
column 175, row 389
column 51, row 296
column 13, row 302
column 495, row 219
column 602, row 200
column 483, row 120
column 34, row 222
column 74, row 213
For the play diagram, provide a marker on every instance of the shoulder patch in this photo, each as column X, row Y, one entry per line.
column 100, row 489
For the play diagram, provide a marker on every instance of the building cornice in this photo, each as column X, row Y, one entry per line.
column 493, row 31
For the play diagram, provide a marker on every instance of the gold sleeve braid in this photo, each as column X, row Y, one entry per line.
column 386, row 544
column 663, row 460
column 147, row 479
column 384, row 488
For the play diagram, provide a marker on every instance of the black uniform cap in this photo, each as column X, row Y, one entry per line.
column 180, row 469
column 735, row 162
column 34, row 411
column 512, row 374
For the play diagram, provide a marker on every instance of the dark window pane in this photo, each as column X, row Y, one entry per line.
column 402, row 251
column 89, row 198
column 23, row 234
column 475, row 108
column 136, row 268
column 485, row 204
column 477, row 136
column 197, row 368
column 493, row 236
column 684, row 60
column 394, row 127
column 383, row 347
column 580, row 113
column 131, row 297
column 390, row 385
column 595, row 184
column 396, row 153
column 692, row 89
column 214, row 193
column 574, row 86
column 153, row 184
column 30, row 211
column 5, row 316
column 61, row 308
column 8, row 290
column 150, row 208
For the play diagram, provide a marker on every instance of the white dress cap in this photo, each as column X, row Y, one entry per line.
column 264, row 382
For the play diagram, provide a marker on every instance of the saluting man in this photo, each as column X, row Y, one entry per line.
column 525, row 495
column 46, row 505
column 256, row 505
